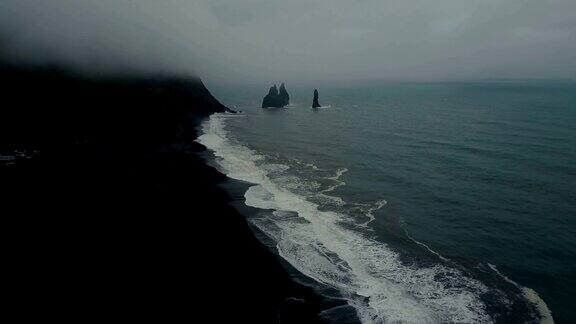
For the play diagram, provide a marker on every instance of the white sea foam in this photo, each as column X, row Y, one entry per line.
column 312, row 166
column 323, row 194
column 429, row 249
column 371, row 210
column 532, row 296
column 367, row 272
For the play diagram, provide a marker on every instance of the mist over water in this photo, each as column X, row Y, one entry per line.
column 257, row 40
column 453, row 201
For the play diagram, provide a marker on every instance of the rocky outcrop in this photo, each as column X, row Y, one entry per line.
column 315, row 103
column 275, row 98
column 284, row 97
column 271, row 99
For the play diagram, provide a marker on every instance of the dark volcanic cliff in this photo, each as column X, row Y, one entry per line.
column 109, row 212
column 51, row 109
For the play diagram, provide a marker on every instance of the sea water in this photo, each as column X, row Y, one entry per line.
column 419, row 202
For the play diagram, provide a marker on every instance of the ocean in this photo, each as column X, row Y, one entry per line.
column 418, row 202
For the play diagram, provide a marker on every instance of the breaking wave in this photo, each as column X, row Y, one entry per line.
column 329, row 245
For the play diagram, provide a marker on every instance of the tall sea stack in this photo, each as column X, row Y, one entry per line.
column 271, row 99
column 284, row 97
column 315, row 103
column 275, row 98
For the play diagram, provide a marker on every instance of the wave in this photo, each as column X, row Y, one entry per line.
column 323, row 194
column 371, row 209
column 532, row 296
column 320, row 244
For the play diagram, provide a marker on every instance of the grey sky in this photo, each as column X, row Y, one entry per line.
column 301, row 39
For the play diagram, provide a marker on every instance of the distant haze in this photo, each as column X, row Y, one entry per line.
column 262, row 40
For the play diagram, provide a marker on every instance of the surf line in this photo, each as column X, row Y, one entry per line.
column 532, row 296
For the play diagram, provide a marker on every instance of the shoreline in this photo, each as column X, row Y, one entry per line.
column 329, row 305
column 297, row 298
column 247, row 159
column 113, row 213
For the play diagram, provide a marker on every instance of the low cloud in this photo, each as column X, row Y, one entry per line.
column 300, row 39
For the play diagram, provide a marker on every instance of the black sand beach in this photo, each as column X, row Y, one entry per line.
column 109, row 212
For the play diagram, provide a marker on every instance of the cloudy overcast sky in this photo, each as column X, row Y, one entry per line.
column 300, row 39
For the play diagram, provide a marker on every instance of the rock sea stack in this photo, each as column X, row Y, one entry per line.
column 284, row 97
column 275, row 98
column 315, row 103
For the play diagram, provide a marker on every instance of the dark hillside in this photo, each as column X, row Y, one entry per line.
column 109, row 213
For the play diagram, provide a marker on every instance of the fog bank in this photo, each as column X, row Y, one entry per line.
column 261, row 40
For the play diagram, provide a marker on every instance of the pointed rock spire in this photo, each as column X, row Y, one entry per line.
column 315, row 103
column 275, row 98
column 284, row 97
